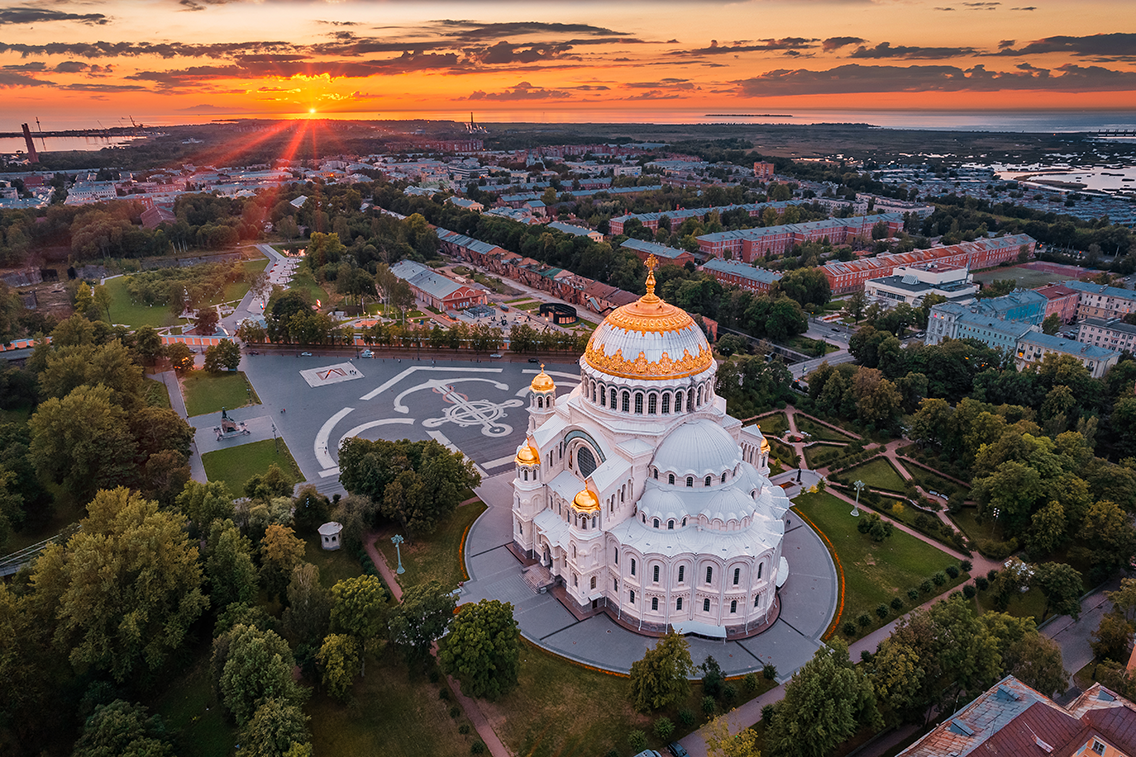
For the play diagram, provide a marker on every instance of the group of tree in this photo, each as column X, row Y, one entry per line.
column 416, row 484
column 858, row 393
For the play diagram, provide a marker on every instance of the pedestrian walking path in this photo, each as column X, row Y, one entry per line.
column 177, row 402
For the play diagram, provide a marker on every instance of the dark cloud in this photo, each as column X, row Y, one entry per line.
column 1006, row 43
column 37, row 65
column 522, row 91
column 473, row 31
column 981, row 6
column 655, row 94
column 78, row 67
column 9, row 79
column 835, row 43
column 200, row 5
column 24, row 15
column 667, row 83
column 134, row 49
column 1025, row 8
column 1116, row 44
column 762, row 45
column 885, row 50
column 855, row 78
column 506, row 53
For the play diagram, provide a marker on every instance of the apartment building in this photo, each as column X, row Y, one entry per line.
column 743, row 275
column 1112, row 334
column 1100, row 301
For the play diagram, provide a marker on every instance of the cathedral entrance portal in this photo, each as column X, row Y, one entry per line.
column 546, row 561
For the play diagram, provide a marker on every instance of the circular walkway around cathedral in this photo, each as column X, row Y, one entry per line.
column 808, row 601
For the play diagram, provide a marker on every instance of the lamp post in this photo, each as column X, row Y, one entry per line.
column 859, row 486
column 275, row 441
column 396, row 540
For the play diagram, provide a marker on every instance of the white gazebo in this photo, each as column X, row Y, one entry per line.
column 329, row 535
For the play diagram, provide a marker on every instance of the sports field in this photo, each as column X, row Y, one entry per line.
column 1025, row 277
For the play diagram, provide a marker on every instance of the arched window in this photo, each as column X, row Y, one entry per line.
column 652, row 402
column 655, row 574
column 526, row 475
column 670, row 525
column 678, row 603
column 666, row 403
column 690, row 481
column 573, row 551
column 709, row 574
column 603, row 396
column 540, row 401
column 656, row 474
column 681, row 571
column 699, row 396
column 632, row 594
column 593, row 582
column 644, row 517
column 723, row 477
column 706, row 605
column 655, row 604
column 612, row 393
column 678, row 402
column 733, row 606
column 756, row 599
column 594, row 391
column 632, row 566
column 670, row 478
column 684, row 522
column 655, row 523
column 626, row 400
column 707, row 482
column 638, row 403
column 621, row 492
column 586, row 461
column 737, row 575
column 760, row 565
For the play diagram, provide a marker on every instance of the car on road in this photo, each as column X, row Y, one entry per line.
column 533, row 360
column 495, row 355
column 305, row 354
column 648, row 753
column 366, row 353
column 677, row 750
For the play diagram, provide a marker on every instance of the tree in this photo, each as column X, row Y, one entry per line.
column 659, row 679
column 205, row 503
column 482, row 649
column 280, row 551
column 180, row 356
column 309, row 607
column 83, row 442
column 206, row 320
column 272, row 483
column 421, row 619
column 122, row 729
column 1051, row 324
column 102, row 300
column 256, row 666
column 225, row 355
column 1048, row 530
column 1112, row 638
column 232, row 574
column 358, row 606
column 148, row 345
column 808, row 286
column 1026, row 654
column 279, row 728
column 720, row 743
column 825, row 702
column 1061, row 584
column 1109, row 532
column 127, row 586
column 338, row 659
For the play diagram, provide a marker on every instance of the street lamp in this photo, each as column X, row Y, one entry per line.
column 859, row 486
column 396, row 540
column 275, row 441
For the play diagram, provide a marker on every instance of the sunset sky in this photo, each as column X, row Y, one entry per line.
column 68, row 61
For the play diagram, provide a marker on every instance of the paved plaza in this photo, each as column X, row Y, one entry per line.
column 481, row 409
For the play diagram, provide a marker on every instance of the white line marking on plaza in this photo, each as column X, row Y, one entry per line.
column 444, row 387
column 388, row 384
column 322, row 455
column 372, row 424
column 329, row 472
column 506, row 460
column 561, row 374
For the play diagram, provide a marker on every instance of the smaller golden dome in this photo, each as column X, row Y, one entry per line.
column 542, row 382
column 586, row 502
column 526, row 455
column 764, row 444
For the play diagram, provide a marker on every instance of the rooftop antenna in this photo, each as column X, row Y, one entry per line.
column 40, row 130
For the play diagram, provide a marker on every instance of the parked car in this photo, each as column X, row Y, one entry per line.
column 495, row 355
column 533, row 360
column 305, row 354
column 648, row 753
column 677, row 750
column 366, row 353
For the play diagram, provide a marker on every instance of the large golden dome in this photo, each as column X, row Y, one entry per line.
column 649, row 339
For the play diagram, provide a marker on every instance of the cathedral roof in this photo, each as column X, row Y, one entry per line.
column 698, row 447
column 649, row 339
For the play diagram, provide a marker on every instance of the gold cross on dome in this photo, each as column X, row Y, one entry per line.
column 652, row 263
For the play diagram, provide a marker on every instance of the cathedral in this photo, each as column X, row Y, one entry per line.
column 639, row 495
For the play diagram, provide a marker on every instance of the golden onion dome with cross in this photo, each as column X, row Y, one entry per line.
column 649, row 339
column 586, row 502
column 527, row 455
column 542, row 382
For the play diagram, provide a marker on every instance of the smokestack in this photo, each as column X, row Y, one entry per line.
column 33, row 156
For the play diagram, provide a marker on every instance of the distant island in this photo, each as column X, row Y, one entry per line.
column 747, row 115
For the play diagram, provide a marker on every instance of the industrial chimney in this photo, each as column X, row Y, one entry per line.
column 33, row 156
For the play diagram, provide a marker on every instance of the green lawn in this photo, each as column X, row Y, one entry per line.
column 874, row 572
column 236, row 465
column 304, row 281
column 390, row 714
column 437, row 556
column 189, row 710
column 1031, row 604
column 773, row 425
column 65, row 513
column 157, row 395
column 966, row 520
column 122, row 310
column 528, row 306
column 932, row 481
column 782, row 452
column 820, row 455
column 820, row 431
column 1025, row 277
column 877, row 473
column 236, row 291
column 333, row 566
column 206, row 392
column 807, row 346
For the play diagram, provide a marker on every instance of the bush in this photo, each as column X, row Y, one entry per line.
column 966, row 566
column 767, row 714
column 444, row 695
column 882, row 611
column 769, row 672
column 982, row 583
column 612, row 753
column 638, row 740
column 686, row 717
column 709, row 706
column 455, row 712
column 969, row 591
column 952, row 571
column 463, row 729
column 939, row 578
column 849, row 628
column 864, row 620
column 729, row 696
column 896, row 603
column 925, row 587
column 750, row 682
column 913, row 594
column 664, row 729
column 997, row 550
column 477, row 747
